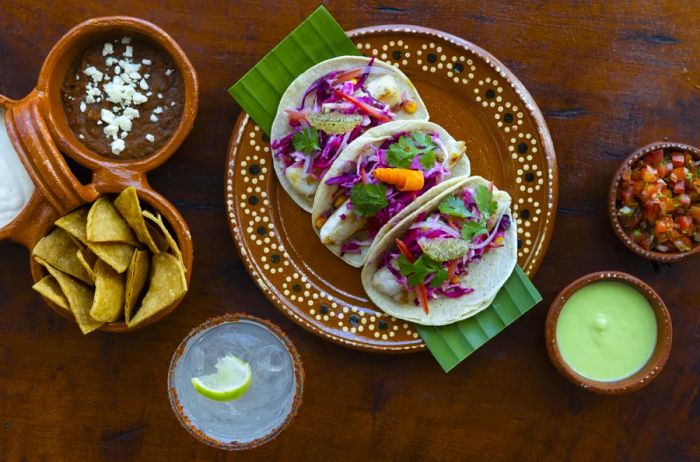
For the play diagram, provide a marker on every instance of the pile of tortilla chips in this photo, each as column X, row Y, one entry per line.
column 111, row 261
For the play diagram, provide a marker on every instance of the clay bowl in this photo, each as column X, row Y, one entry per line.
column 655, row 363
column 58, row 63
column 178, row 227
column 40, row 134
column 234, row 445
column 612, row 203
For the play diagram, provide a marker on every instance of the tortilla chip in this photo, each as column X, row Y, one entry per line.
column 108, row 303
column 59, row 250
column 158, row 237
column 129, row 207
column 75, row 224
column 88, row 260
column 49, row 288
column 172, row 244
column 115, row 255
column 104, row 224
column 79, row 298
column 135, row 281
column 168, row 285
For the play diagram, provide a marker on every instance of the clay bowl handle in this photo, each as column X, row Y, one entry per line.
column 57, row 191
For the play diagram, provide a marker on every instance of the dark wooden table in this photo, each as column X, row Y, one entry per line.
column 608, row 77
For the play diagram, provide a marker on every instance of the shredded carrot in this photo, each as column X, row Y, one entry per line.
column 451, row 268
column 363, row 175
column 348, row 75
column 403, row 248
column 452, row 224
column 403, row 178
column 371, row 110
column 421, row 292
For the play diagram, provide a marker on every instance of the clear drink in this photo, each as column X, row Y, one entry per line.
column 269, row 404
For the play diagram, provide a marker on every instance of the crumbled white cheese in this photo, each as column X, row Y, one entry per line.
column 169, row 71
column 131, row 113
column 117, row 146
column 172, row 103
column 120, row 85
column 111, row 131
column 93, row 73
column 160, row 95
column 139, row 98
column 107, row 116
column 123, row 122
column 81, row 136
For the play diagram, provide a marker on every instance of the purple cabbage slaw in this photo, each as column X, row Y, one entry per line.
column 319, row 97
column 360, row 171
column 437, row 225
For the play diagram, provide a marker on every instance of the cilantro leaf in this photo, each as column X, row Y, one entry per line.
column 401, row 153
column 427, row 160
column 416, row 272
column 424, row 140
column 471, row 229
column 454, row 206
column 306, row 140
column 439, row 278
column 368, row 199
column 484, row 200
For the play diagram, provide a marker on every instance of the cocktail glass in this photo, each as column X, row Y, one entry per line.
column 272, row 400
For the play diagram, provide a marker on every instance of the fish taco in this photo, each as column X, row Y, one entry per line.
column 448, row 258
column 377, row 177
column 326, row 108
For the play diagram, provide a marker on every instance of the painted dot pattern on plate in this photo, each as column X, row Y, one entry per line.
column 250, row 177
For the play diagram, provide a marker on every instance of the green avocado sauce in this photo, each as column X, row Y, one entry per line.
column 606, row 331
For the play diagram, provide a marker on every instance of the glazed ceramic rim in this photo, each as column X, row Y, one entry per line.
column 612, row 204
column 654, row 364
column 271, row 291
column 68, row 141
column 299, row 375
column 183, row 236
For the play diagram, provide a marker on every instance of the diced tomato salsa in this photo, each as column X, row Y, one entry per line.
column 658, row 203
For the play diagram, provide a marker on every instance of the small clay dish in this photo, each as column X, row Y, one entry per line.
column 626, row 239
column 38, row 130
column 59, row 61
column 180, row 411
column 646, row 374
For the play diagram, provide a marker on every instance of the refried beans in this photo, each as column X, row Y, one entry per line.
column 123, row 98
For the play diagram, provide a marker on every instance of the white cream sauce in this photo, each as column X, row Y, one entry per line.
column 16, row 187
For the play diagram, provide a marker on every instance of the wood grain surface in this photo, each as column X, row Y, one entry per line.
column 608, row 76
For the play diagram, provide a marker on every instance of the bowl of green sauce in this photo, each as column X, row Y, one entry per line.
column 609, row 332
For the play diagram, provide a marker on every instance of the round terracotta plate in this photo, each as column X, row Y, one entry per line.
column 477, row 100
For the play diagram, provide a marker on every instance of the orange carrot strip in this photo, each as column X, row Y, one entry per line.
column 403, row 178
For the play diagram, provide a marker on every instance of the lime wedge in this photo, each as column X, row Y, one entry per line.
column 231, row 380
